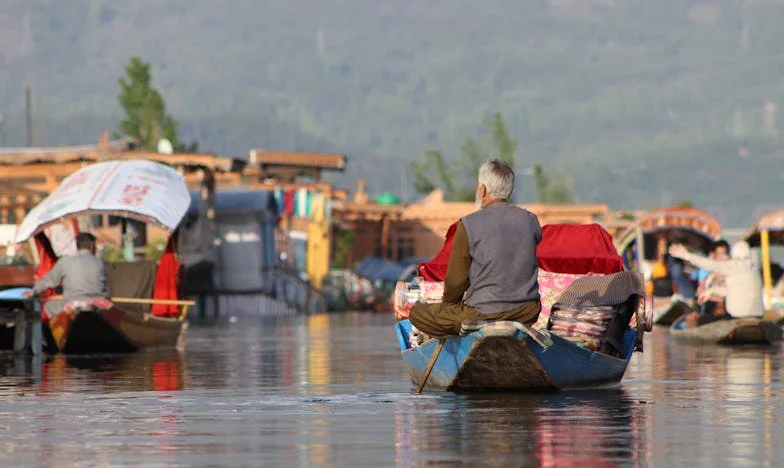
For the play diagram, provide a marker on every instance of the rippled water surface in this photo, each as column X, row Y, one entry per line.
column 331, row 390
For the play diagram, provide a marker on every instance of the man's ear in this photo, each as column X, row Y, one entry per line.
column 482, row 191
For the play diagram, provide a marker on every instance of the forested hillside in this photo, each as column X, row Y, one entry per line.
column 641, row 102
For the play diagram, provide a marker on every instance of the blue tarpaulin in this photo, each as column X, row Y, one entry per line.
column 374, row 268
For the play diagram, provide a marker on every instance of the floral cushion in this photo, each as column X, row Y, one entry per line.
column 551, row 285
column 103, row 304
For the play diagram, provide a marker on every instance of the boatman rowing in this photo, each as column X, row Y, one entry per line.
column 492, row 271
column 83, row 276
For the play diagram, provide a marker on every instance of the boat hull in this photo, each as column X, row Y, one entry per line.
column 508, row 358
column 738, row 331
column 112, row 330
column 668, row 311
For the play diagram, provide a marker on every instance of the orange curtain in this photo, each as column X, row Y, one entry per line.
column 166, row 281
column 47, row 260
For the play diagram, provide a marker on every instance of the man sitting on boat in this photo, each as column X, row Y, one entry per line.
column 492, row 262
column 83, row 276
column 743, row 283
column 712, row 288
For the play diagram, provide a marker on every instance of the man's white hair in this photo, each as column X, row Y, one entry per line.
column 741, row 250
column 498, row 177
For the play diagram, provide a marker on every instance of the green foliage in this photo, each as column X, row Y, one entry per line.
column 684, row 204
column 20, row 260
column 145, row 112
column 113, row 255
column 434, row 172
column 343, row 242
column 552, row 187
column 155, row 249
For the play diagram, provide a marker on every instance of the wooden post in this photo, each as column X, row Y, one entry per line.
column 766, row 275
column 640, row 248
column 384, row 235
column 20, row 330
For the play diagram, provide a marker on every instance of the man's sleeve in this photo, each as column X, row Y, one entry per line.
column 456, row 281
column 722, row 267
column 50, row 280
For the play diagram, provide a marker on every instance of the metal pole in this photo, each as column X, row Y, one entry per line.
column 766, row 275
column 29, row 117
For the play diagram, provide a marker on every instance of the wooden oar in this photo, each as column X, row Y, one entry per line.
column 430, row 364
column 136, row 300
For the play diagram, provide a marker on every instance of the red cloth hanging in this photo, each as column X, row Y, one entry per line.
column 288, row 202
column 46, row 255
column 47, row 259
column 166, row 281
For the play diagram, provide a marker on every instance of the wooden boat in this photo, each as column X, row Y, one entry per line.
column 510, row 356
column 768, row 231
column 141, row 190
column 738, row 331
column 667, row 311
column 505, row 355
column 652, row 232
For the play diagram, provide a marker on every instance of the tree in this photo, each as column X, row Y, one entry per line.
column 434, row 172
column 145, row 111
column 551, row 187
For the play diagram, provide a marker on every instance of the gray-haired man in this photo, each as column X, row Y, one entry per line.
column 83, row 276
column 493, row 262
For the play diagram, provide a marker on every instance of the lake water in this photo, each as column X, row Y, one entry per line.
column 331, row 390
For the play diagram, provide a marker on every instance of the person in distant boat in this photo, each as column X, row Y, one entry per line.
column 711, row 287
column 743, row 283
column 83, row 276
column 685, row 289
column 660, row 283
column 492, row 270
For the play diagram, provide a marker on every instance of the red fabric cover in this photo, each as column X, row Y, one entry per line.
column 578, row 249
column 435, row 269
column 565, row 248
column 47, row 259
column 166, row 281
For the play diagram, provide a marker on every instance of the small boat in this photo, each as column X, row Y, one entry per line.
column 510, row 356
column 505, row 355
column 144, row 310
column 767, row 232
column 667, row 311
column 646, row 240
column 739, row 331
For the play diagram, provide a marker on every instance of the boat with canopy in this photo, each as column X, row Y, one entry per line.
column 580, row 277
column 645, row 242
column 143, row 309
column 766, row 233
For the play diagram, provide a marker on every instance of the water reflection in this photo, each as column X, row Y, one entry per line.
column 601, row 428
column 331, row 390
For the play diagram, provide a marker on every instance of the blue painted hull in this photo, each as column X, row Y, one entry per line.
column 512, row 360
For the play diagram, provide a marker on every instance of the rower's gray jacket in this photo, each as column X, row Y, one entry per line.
column 83, row 277
column 502, row 241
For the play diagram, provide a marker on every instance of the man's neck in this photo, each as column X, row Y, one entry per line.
column 495, row 201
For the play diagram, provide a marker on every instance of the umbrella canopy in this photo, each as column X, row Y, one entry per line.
column 143, row 190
